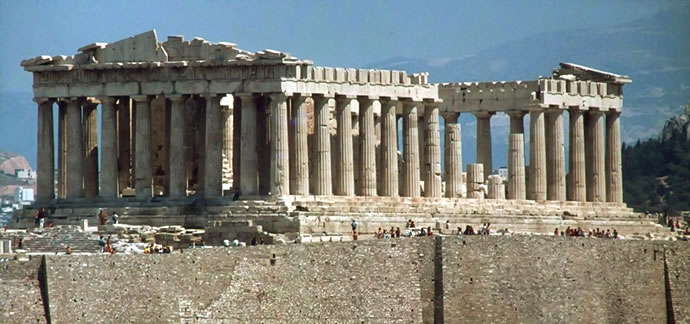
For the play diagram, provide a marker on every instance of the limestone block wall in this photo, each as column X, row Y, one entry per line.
column 313, row 283
column 549, row 280
column 20, row 292
column 678, row 280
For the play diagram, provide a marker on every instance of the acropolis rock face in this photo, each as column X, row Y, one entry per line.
column 304, row 141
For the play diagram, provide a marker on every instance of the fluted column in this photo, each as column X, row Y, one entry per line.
column 475, row 178
column 432, row 154
column 453, row 155
column 124, row 143
column 142, row 151
column 410, row 149
column 45, row 175
column 596, row 183
column 555, row 155
column 300, row 183
column 516, row 166
column 484, row 141
column 90, row 129
column 236, row 140
column 576, row 151
column 75, row 149
column 495, row 187
column 280, row 159
column 248, row 168
column 178, row 159
column 367, row 136
column 421, row 135
column 323, row 184
column 213, row 145
column 345, row 182
column 109, row 179
column 517, row 125
column 614, row 174
column 537, row 154
column 389, row 148
column 62, row 150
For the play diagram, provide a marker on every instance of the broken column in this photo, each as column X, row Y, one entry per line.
column 516, row 166
column 453, row 155
column 475, row 180
column 496, row 189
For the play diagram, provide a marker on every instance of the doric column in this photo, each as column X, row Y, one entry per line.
column 453, row 155
column 367, row 137
column 62, row 150
column 178, row 158
column 614, row 174
column 484, row 141
column 142, row 150
column 496, row 189
column 432, row 154
column 537, row 154
column 90, row 129
column 410, row 149
column 236, row 140
column 576, row 151
column 475, row 179
column 226, row 112
column 213, row 146
column 555, row 155
column 124, row 143
column 45, row 175
column 263, row 145
column 345, row 182
column 389, row 148
column 516, row 166
column 109, row 180
column 300, row 183
column 249, row 180
column 596, row 183
column 323, row 184
column 280, row 158
column 75, row 149
column 421, row 137
column 517, row 125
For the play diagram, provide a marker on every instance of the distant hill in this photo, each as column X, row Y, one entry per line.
column 654, row 52
column 656, row 172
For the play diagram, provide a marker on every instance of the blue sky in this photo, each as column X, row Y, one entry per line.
column 332, row 33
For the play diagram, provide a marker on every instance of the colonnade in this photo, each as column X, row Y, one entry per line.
column 275, row 128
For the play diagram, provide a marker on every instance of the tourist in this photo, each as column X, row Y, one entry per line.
column 354, row 225
column 555, row 233
column 355, row 236
column 608, row 233
column 261, row 241
column 459, row 230
column 253, row 241
column 101, row 244
column 482, row 230
column 379, row 234
column 102, row 217
column 116, row 217
column 412, row 224
column 409, row 223
column 615, row 233
column 397, row 232
column 447, row 224
column 422, row 232
column 68, row 250
column 429, row 232
column 385, row 234
column 236, row 196
column 488, row 228
column 392, row 232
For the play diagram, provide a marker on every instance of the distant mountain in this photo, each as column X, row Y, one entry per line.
column 654, row 52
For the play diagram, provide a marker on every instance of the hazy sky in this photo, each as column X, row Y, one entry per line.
column 332, row 33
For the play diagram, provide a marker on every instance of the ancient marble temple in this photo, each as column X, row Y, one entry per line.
column 176, row 117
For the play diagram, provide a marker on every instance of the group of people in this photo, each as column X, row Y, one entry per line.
column 106, row 246
column 469, row 230
column 41, row 215
column 157, row 249
column 591, row 233
column 386, row 234
column 103, row 217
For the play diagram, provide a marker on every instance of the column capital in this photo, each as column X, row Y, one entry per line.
column 344, row 97
column 41, row 100
column 140, row 98
column 176, row 97
column 279, row 95
column 452, row 115
column 613, row 113
column 106, row 100
column 323, row 95
column 368, row 98
column 384, row 99
column 210, row 95
column 302, row 94
column 484, row 114
column 516, row 113
column 596, row 112
column 432, row 102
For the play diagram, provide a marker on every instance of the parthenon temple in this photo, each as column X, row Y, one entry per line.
column 199, row 133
